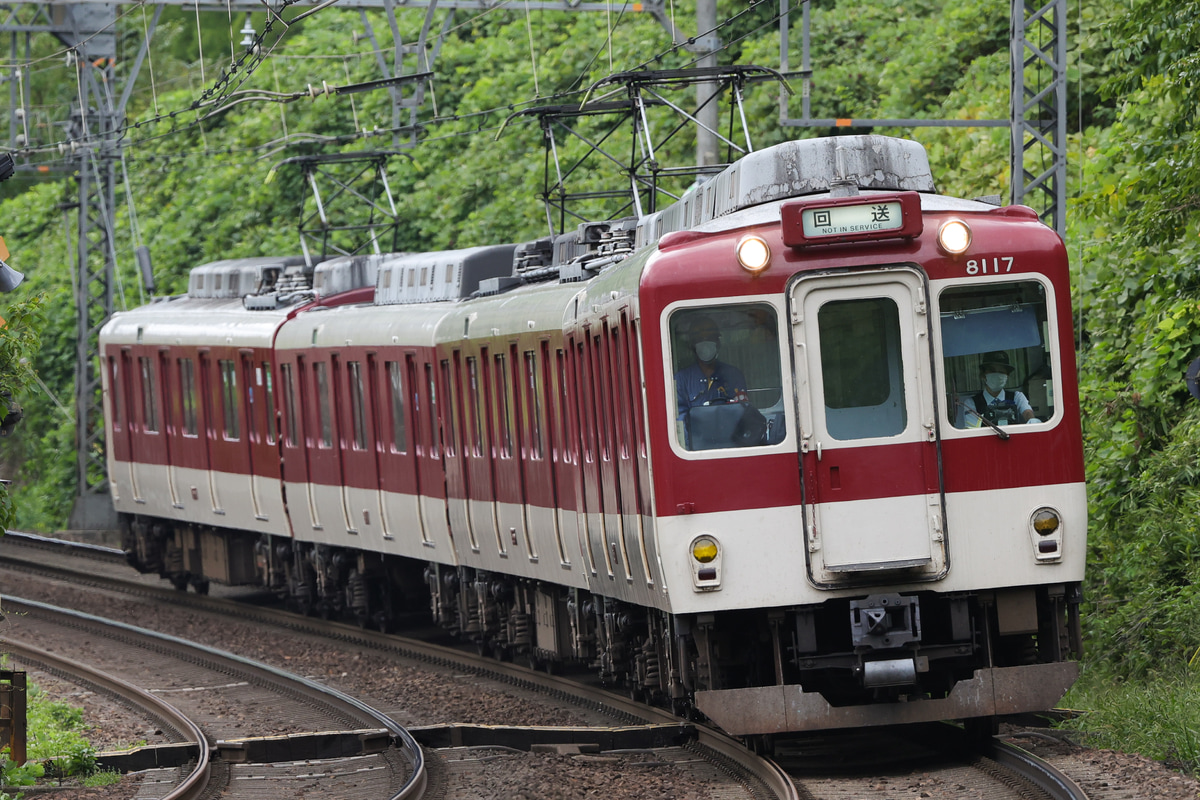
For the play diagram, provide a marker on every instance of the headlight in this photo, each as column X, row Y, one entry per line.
column 706, row 563
column 1046, row 522
column 704, row 549
column 753, row 253
column 1046, row 535
column 954, row 237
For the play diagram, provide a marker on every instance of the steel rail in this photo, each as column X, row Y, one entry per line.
column 196, row 782
column 1041, row 773
column 408, row 746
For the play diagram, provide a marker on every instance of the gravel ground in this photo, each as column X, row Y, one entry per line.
column 419, row 695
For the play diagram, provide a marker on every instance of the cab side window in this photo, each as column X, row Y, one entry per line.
column 996, row 354
column 725, row 361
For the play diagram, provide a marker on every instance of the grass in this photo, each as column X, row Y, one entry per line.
column 57, row 748
column 1157, row 716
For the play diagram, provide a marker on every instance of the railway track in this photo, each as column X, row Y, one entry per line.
column 215, row 698
column 1002, row 768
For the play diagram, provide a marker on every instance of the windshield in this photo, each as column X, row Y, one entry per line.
column 726, row 365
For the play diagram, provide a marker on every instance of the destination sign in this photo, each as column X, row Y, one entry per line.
column 826, row 221
column 846, row 220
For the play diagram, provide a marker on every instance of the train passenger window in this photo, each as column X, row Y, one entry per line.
column 533, row 407
column 358, row 413
column 114, row 385
column 476, row 415
column 320, row 375
column 396, row 395
column 728, row 376
column 229, row 399
column 149, row 396
column 187, row 395
column 861, row 368
column 270, row 396
column 504, row 424
column 434, row 440
column 996, row 354
column 289, row 403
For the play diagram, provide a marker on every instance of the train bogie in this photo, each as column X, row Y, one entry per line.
column 800, row 451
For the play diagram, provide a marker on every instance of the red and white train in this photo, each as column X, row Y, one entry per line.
column 812, row 529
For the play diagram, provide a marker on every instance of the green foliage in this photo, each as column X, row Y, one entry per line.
column 1158, row 718
column 20, row 337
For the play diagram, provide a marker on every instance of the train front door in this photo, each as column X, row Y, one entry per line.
column 870, row 453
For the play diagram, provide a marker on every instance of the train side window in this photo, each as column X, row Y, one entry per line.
column 396, row 398
column 229, row 399
column 289, row 403
column 114, row 385
column 533, row 407
column 187, row 396
column 269, row 393
column 358, row 413
column 503, row 423
column 728, row 392
column 861, row 368
column 476, row 414
column 149, row 396
column 1007, row 325
column 321, row 378
column 434, row 430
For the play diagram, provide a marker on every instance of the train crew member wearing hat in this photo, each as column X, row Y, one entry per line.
column 999, row 405
column 708, row 381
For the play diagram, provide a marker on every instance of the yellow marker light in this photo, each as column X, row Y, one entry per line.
column 954, row 237
column 704, row 550
column 1046, row 522
column 753, row 254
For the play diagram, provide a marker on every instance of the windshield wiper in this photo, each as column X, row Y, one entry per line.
column 1003, row 434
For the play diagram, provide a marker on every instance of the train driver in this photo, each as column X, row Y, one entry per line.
column 709, row 381
column 1000, row 406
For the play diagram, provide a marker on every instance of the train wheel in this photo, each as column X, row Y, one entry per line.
column 199, row 586
column 179, row 580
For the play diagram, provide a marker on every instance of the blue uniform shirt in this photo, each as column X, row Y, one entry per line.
column 694, row 388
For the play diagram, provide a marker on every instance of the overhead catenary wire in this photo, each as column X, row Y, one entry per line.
column 215, row 94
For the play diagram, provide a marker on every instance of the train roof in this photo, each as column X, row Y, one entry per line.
column 795, row 169
column 200, row 322
column 237, row 277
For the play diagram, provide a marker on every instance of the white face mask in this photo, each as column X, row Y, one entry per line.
column 995, row 381
column 706, row 351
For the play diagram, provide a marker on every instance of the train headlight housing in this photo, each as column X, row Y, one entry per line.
column 753, row 253
column 954, row 237
column 706, row 563
column 1045, row 532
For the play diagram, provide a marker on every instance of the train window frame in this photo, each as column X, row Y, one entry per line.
column 395, row 384
column 116, row 395
column 782, row 408
column 230, row 428
column 149, row 394
column 291, row 422
column 190, row 423
column 1051, row 350
column 269, row 394
column 358, row 407
column 324, row 405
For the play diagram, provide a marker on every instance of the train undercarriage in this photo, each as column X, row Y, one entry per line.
column 866, row 654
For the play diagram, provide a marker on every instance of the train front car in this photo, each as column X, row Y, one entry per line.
column 850, row 533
